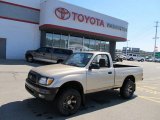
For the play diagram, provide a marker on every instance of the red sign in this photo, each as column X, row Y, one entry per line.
column 62, row 13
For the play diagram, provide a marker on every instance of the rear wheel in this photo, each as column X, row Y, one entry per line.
column 127, row 90
column 68, row 102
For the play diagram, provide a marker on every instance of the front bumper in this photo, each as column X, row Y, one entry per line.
column 40, row 91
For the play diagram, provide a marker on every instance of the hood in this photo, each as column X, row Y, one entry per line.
column 57, row 69
column 30, row 51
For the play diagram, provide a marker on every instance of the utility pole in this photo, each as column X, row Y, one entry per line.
column 127, row 47
column 155, row 46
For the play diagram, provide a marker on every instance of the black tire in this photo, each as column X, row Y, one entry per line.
column 68, row 102
column 131, row 59
column 59, row 61
column 142, row 60
column 29, row 58
column 127, row 90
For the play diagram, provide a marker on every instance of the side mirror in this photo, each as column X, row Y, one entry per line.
column 94, row 66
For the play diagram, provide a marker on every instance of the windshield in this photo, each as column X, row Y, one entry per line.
column 79, row 59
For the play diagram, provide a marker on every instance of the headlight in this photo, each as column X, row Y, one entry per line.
column 46, row 81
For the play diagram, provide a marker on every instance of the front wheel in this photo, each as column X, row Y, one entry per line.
column 131, row 59
column 68, row 102
column 127, row 90
column 29, row 58
column 59, row 61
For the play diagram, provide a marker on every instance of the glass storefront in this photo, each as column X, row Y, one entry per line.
column 86, row 44
column 64, row 41
column 49, row 39
column 76, row 43
column 56, row 40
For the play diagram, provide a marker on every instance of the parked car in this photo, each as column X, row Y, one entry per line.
column 133, row 57
column 149, row 59
column 157, row 60
column 118, row 58
column 124, row 57
column 48, row 54
column 80, row 74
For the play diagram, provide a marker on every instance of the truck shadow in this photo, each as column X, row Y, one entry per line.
column 23, row 62
column 35, row 109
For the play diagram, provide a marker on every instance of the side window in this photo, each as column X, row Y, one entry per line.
column 67, row 52
column 58, row 51
column 48, row 50
column 102, row 60
column 41, row 50
column 61, row 51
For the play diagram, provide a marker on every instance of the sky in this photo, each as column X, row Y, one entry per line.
column 140, row 14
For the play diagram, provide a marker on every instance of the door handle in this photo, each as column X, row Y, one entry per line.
column 109, row 72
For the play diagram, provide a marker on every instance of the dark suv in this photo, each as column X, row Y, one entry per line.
column 48, row 54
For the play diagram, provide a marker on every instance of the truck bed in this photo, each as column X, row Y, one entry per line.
column 120, row 66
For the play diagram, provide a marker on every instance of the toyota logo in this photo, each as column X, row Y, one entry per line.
column 62, row 13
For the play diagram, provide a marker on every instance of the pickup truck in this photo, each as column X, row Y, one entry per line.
column 132, row 57
column 83, row 72
column 48, row 54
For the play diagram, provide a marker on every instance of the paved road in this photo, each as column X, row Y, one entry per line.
column 17, row 104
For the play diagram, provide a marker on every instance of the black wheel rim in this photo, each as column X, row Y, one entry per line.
column 130, row 89
column 70, row 103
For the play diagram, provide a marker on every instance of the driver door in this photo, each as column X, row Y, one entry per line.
column 43, row 54
column 102, row 78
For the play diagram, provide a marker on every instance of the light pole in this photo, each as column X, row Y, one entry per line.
column 127, row 47
column 155, row 45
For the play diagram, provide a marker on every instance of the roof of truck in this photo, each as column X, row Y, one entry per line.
column 94, row 52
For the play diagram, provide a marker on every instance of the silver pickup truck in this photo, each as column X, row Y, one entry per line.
column 82, row 73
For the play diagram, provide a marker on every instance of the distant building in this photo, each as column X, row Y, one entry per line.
column 136, row 51
column 129, row 50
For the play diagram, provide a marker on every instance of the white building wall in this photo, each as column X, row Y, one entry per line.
column 49, row 17
column 20, row 37
column 28, row 3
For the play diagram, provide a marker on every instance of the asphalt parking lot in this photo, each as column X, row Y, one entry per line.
column 17, row 104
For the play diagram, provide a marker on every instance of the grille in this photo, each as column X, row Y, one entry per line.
column 33, row 77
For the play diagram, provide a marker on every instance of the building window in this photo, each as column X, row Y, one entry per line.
column 76, row 43
column 104, row 46
column 92, row 45
column 86, row 44
column 56, row 40
column 64, row 41
column 49, row 39
column 97, row 45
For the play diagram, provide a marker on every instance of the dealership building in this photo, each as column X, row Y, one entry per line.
column 30, row 24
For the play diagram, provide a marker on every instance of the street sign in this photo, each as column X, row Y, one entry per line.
column 157, row 54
